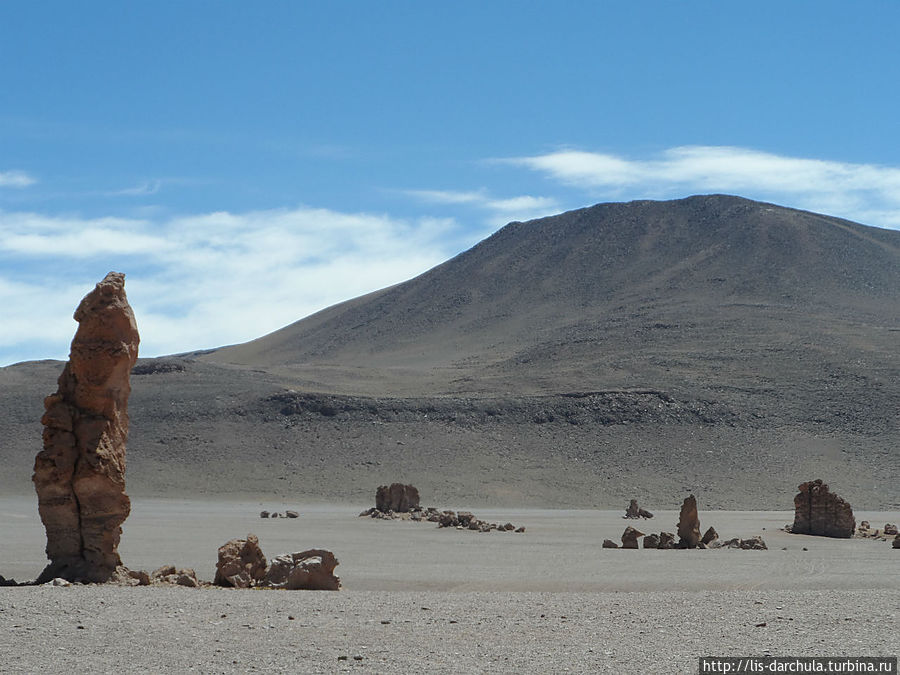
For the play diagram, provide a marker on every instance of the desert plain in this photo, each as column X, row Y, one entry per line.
column 418, row 598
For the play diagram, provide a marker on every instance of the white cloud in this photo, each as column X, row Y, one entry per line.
column 16, row 179
column 147, row 187
column 202, row 280
column 857, row 191
column 500, row 210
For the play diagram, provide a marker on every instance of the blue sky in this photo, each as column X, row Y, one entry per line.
column 246, row 164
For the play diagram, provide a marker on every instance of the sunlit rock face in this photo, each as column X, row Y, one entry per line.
column 79, row 475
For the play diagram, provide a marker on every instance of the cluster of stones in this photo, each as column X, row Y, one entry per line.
column 276, row 514
column 401, row 502
column 865, row 530
column 242, row 564
column 635, row 511
column 688, row 535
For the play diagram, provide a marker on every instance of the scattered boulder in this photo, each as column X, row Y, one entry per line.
column 397, row 497
column 754, row 544
column 709, row 536
column 241, row 563
column 890, row 529
column 169, row 574
column 263, row 514
column 651, row 541
column 609, row 543
column 464, row 518
column 689, row 524
column 308, row 570
column 520, row 530
column 896, row 542
column 864, row 525
column 666, row 540
column 630, row 537
column 79, row 475
column 819, row 511
column 291, row 514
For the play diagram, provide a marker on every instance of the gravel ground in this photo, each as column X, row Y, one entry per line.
column 117, row 630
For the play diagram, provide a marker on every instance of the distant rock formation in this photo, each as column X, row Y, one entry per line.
column 241, row 563
column 651, row 541
column 609, row 543
column 819, row 511
column 630, row 537
column 890, row 528
column 709, row 536
column 79, row 475
column 666, row 540
column 689, row 524
column 311, row 570
column 635, row 511
column 396, row 497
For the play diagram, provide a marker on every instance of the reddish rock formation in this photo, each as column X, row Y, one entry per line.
column 311, row 570
column 241, row 563
column 79, row 475
column 630, row 537
column 396, row 497
column 689, row 524
column 819, row 511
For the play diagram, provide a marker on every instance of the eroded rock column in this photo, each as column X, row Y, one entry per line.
column 79, row 475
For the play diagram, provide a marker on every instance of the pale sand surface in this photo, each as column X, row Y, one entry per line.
column 603, row 610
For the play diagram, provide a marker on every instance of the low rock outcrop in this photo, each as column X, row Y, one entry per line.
column 241, row 563
column 609, row 543
column 666, row 540
column 630, row 537
column 651, row 541
column 311, row 570
column 397, row 497
column 709, row 536
column 635, row 511
column 689, row 524
column 79, row 475
column 819, row 511
column 896, row 542
column 890, row 528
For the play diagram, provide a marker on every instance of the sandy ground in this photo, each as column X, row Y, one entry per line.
column 421, row 599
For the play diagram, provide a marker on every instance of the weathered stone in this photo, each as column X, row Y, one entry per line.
column 896, row 542
column 864, row 525
column 448, row 519
column 709, row 536
column 509, row 527
column 241, row 563
column 291, row 514
column 689, row 524
column 754, row 544
column 79, row 475
column 464, row 518
column 519, row 530
column 163, row 571
column 651, row 541
column 635, row 511
column 609, row 543
column 666, row 540
column 396, row 497
column 821, row 512
column 890, row 529
column 308, row 570
column 263, row 514
column 630, row 537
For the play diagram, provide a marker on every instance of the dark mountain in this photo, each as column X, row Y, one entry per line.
column 710, row 343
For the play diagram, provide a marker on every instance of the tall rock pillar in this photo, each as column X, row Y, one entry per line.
column 79, row 476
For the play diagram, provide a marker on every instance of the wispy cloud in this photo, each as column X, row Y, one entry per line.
column 16, row 179
column 866, row 192
column 500, row 210
column 147, row 187
column 203, row 280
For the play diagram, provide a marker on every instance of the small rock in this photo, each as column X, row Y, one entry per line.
column 609, row 543
column 291, row 514
column 263, row 514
